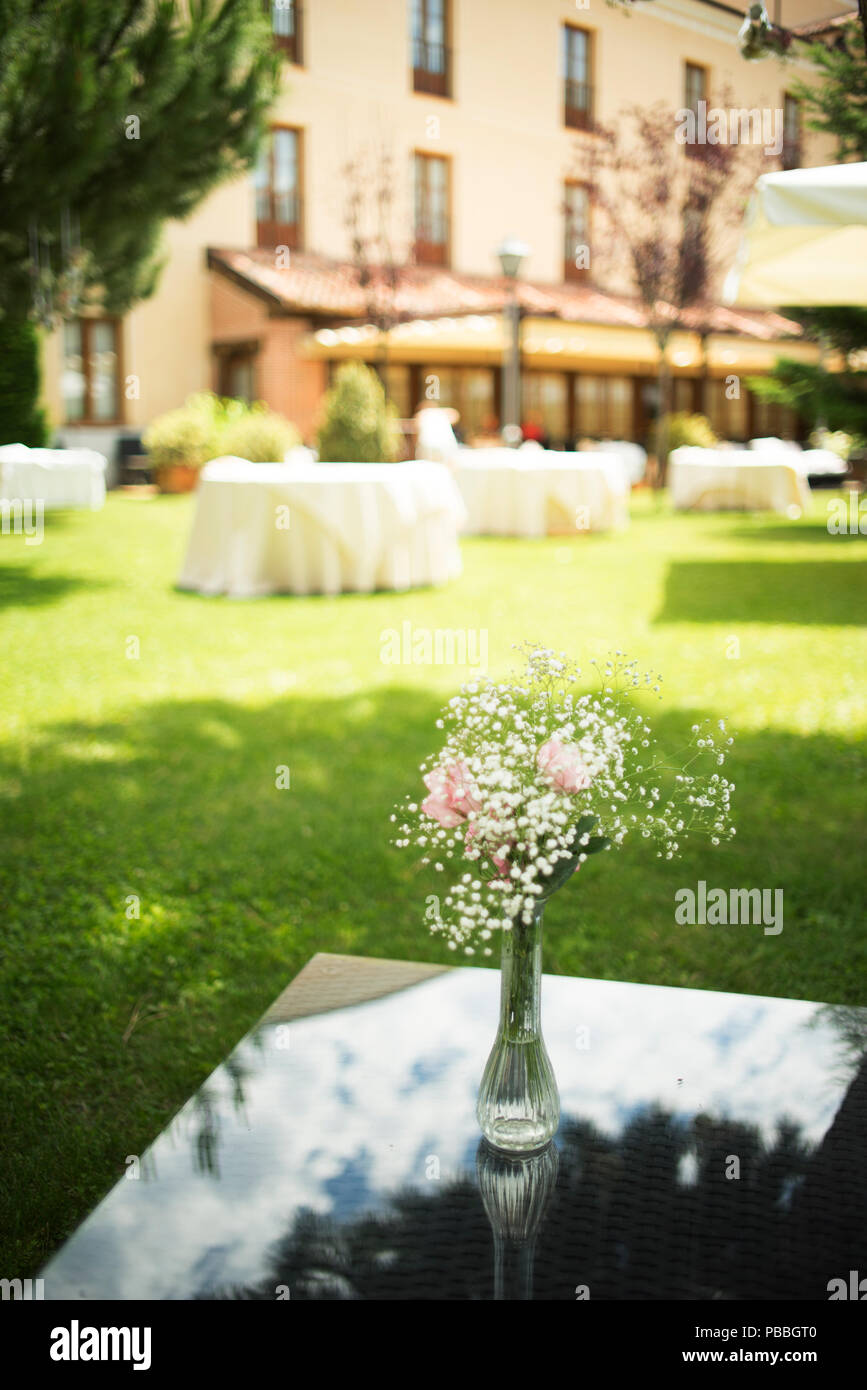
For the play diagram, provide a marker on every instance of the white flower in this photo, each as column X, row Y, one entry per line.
column 523, row 828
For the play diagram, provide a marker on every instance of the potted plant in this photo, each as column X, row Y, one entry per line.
column 181, row 442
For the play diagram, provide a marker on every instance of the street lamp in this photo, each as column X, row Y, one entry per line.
column 511, row 253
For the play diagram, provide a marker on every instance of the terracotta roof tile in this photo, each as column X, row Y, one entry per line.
column 823, row 26
column 313, row 285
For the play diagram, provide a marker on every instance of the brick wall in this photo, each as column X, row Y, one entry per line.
column 235, row 315
column 285, row 380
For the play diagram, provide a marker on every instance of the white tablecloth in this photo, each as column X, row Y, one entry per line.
column 816, row 463
column 352, row 527
column 56, row 477
column 516, row 492
column 633, row 456
column 737, row 480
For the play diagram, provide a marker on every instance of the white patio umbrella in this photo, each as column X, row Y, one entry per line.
column 804, row 240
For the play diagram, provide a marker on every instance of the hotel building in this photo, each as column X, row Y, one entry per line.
column 446, row 125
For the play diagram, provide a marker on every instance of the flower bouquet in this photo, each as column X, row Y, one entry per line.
column 533, row 779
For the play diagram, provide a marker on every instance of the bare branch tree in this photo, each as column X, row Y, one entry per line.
column 666, row 205
column 371, row 191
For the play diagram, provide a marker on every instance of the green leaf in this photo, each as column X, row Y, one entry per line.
column 565, row 868
column 562, row 872
column 584, row 826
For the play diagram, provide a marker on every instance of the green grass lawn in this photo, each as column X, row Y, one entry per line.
column 155, row 777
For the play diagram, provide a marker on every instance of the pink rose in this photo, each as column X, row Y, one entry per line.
column 563, row 766
column 452, row 794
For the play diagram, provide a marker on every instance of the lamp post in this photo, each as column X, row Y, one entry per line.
column 511, row 253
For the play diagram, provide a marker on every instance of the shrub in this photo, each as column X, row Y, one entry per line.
column 191, row 434
column 695, row 430
column 22, row 421
column 259, row 435
column 836, row 441
column 357, row 426
column 205, row 427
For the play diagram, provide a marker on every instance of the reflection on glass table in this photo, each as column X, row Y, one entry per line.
column 712, row 1146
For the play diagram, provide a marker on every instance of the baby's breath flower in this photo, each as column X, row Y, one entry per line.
column 527, row 766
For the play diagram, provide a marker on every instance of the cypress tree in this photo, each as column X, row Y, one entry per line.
column 21, row 419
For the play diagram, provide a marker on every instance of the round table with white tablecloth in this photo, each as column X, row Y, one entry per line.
column 737, row 480
column 56, row 477
column 323, row 528
column 633, row 456
column 539, row 492
column 813, row 463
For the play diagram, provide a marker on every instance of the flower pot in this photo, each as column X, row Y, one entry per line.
column 518, row 1109
column 176, row 477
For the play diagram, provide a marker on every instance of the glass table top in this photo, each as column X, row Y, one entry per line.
column 711, row 1146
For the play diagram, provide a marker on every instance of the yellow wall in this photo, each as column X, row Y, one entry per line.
column 503, row 130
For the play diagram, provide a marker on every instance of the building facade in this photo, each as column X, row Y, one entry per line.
column 413, row 136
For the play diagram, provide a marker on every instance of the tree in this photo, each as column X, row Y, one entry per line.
column 665, row 202
column 116, row 115
column 835, row 399
column 21, row 419
column 838, row 105
column 370, row 185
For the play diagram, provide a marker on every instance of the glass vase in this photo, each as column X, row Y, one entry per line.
column 516, row 1190
column 518, row 1109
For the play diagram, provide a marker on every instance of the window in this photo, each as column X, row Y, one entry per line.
column 576, row 229
column 696, row 86
column 729, row 416
column 278, row 190
column 90, row 382
column 603, row 407
column 545, row 407
column 395, row 377
column 237, row 371
column 695, row 90
column 791, row 132
column 620, row 424
column 286, row 27
column 694, row 267
column 431, row 210
column 768, row 419
column 577, row 93
column 468, row 390
column 431, row 56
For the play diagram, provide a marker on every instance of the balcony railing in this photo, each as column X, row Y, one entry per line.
column 431, row 245
column 578, row 98
column 278, row 221
column 431, row 68
column 286, row 26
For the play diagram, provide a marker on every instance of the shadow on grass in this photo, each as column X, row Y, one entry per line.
column 162, row 890
column 21, row 586
column 806, row 593
column 793, row 533
column 181, row 808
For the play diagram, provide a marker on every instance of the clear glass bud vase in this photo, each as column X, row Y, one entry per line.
column 518, row 1109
